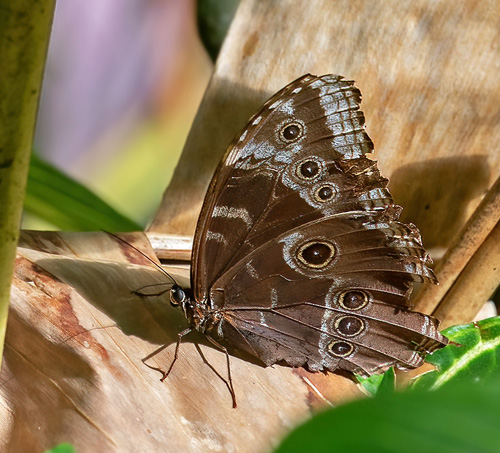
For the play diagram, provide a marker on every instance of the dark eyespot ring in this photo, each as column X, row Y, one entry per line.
column 353, row 299
column 349, row 326
column 308, row 169
column 324, row 193
column 316, row 254
column 291, row 132
column 340, row 348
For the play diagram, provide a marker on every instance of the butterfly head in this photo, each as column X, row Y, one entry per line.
column 179, row 297
column 194, row 312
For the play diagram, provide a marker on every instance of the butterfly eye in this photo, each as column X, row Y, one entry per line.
column 324, row 193
column 177, row 295
column 316, row 254
column 353, row 300
column 291, row 132
column 340, row 348
column 308, row 169
column 349, row 326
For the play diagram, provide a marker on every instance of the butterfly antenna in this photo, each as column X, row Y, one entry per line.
column 143, row 254
column 71, row 337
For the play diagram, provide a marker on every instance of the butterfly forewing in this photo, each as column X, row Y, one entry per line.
column 255, row 162
column 299, row 247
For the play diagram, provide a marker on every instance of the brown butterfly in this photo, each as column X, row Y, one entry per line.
column 299, row 257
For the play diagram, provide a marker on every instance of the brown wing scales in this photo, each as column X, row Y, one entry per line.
column 299, row 246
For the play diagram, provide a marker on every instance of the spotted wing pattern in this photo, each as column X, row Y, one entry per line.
column 299, row 248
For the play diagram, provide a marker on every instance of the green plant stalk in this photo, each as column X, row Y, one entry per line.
column 25, row 27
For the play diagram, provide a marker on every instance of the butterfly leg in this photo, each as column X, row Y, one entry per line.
column 229, row 381
column 176, row 353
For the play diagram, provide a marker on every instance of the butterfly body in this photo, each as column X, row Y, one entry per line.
column 299, row 256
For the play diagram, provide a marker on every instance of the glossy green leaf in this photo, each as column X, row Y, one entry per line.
column 473, row 355
column 453, row 419
column 67, row 204
column 379, row 384
column 214, row 19
column 62, row 448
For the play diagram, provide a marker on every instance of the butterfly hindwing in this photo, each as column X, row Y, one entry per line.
column 294, row 304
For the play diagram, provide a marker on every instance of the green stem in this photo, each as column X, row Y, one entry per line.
column 24, row 36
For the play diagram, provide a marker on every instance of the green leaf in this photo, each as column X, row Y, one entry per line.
column 473, row 355
column 214, row 19
column 62, row 448
column 379, row 384
column 455, row 418
column 67, row 204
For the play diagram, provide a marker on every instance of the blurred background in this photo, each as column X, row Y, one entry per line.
column 122, row 85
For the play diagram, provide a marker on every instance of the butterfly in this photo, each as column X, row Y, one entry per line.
column 299, row 257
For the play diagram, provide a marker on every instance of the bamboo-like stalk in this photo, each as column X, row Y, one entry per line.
column 468, row 272
column 24, row 37
column 478, row 280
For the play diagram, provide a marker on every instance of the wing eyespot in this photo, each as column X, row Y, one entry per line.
column 340, row 348
column 325, row 193
column 349, row 326
column 309, row 169
column 291, row 132
column 316, row 254
column 354, row 299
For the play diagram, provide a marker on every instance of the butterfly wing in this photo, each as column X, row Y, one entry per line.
column 345, row 309
column 239, row 194
column 298, row 220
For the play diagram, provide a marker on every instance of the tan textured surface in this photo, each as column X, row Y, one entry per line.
column 73, row 371
column 428, row 74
